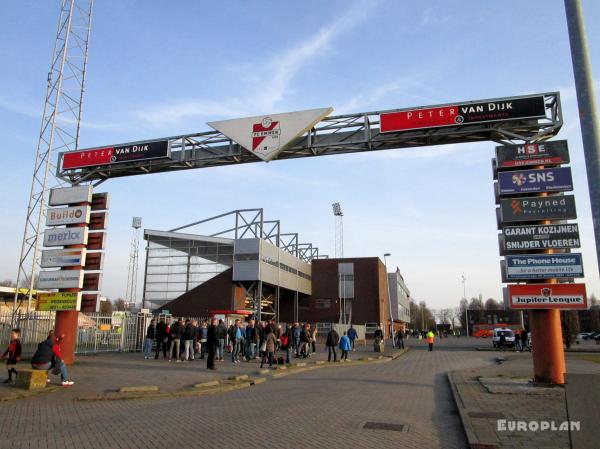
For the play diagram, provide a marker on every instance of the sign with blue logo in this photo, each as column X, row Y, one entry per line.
column 532, row 181
column 543, row 266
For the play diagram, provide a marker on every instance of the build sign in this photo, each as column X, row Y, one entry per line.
column 532, row 181
column 138, row 151
column 58, row 216
column 60, row 279
column 63, row 258
column 543, row 266
column 58, row 301
column 544, row 153
column 266, row 136
column 536, row 237
column 537, row 208
column 485, row 111
column 547, row 296
column 65, row 236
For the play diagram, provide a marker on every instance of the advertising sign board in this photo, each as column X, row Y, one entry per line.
column 60, row 279
column 58, row 216
column 58, row 301
column 544, row 153
column 556, row 207
column 536, row 237
column 63, row 258
column 547, row 296
column 532, row 181
column 266, row 136
column 543, row 266
column 65, row 236
column 485, row 111
column 70, row 195
column 137, row 151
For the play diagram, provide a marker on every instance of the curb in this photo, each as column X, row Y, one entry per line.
column 140, row 389
column 462, row 413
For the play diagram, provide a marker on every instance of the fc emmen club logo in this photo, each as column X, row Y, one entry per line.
column 265, row 136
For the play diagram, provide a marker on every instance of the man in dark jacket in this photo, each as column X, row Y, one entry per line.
column 161, row 338
column 203, row 337
column 48, row 355
column 175, row 336
column 221, row 332
column 333, row 339
column 189, row 332
column 211, row 344
column 149, row 340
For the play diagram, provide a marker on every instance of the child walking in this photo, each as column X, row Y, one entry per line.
column 12, row 354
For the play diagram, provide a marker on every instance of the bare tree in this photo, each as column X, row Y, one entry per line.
column 120, row 305
column 492, row 304
column 7, row 283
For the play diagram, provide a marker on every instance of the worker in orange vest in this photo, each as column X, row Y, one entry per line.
column 430, row 338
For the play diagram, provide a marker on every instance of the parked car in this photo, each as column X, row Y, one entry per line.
column 508, row 335
column 583, row 335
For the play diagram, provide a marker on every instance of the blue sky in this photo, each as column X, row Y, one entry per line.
column 165, row 68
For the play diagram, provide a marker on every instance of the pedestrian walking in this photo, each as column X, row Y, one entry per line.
column 269, row 353
column 48, row 357
column 518, row 346
column 175, row 336
column 221, row 333
column 251, row 340
column 149, row 340
column 203, row 337
column 345, row 346
column 296, row 331
column 305, row 341
column 286, row 342
column 400, row 339
column 236, row 341
column 333, row 340
column 352, row 335
column 212, row 343
column 12, row 354
column 313, row 338
column 502, row 341
column 189, row 333
column 430, row 338
column 161, row 338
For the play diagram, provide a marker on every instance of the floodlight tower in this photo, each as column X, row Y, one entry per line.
column 131, row 293
column 59, row 131
column 339, row 230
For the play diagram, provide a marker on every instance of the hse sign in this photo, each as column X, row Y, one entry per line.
column 547, row 296
column 58, row 216
column 138, row 151
column 553, row 152
column 536, row 237
column 543, row 266
column 534, row 181
column 65, row 236
column 266, row 136
column 484, row 111
column 537, row 208
column 58, row 301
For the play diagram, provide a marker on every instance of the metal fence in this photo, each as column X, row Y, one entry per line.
column 324, row 328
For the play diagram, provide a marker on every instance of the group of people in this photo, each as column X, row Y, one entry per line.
column 187, row 340
column 47, row 357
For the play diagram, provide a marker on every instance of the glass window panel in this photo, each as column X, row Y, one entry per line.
column 156, row 270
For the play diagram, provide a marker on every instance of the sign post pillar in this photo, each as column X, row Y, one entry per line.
column 548, row 354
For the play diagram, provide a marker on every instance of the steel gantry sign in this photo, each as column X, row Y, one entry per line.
column 317, row 133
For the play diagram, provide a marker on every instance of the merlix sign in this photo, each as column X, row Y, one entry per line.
column 547, row 296
column 485, row 111
column 536, row 237
column 545, row 153
column 533, row 181
column 537, row 208
column 65, row 236
column 139, row 151
column 543, row 266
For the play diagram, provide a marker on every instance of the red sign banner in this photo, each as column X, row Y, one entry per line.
column 500, row 110
column 547, row 296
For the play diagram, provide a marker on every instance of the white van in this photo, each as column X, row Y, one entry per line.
column 508, row 335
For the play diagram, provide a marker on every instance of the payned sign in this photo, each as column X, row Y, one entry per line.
column 537, row 208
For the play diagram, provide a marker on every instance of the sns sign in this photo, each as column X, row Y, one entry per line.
column 533, row 181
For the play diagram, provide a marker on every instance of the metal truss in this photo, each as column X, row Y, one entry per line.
column 340, row 134
column 60, row 125
column 250, row 223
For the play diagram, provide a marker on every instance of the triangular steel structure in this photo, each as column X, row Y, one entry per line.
column 267, row 135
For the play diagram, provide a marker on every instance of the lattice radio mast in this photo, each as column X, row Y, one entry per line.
column 339, row 230
column 132, row 273
column 60, row 126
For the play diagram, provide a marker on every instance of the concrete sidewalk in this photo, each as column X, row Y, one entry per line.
column 487, row 398
column 109, row 372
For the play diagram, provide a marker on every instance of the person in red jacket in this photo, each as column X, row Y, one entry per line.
column 12, row 354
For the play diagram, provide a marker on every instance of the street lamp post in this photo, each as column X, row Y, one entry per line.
column 464, row 283
column 387, row 278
